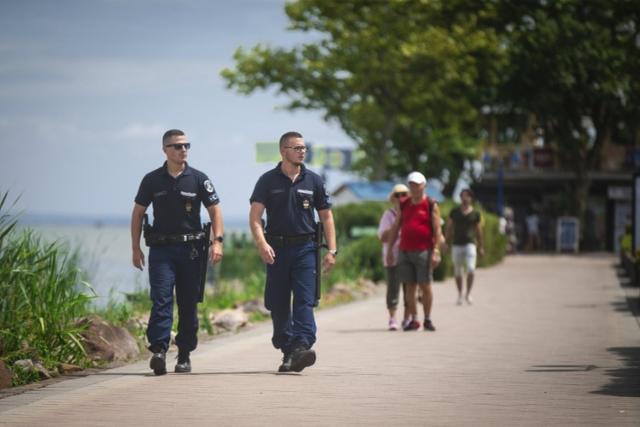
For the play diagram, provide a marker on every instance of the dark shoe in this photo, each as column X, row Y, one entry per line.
column 184, row 363
column 428, row 325
column 412, row 326
column 286, row 363
column 301, row 358
column 158, row 363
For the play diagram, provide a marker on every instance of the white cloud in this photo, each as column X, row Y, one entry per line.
column 103, row 76
column 142, row 131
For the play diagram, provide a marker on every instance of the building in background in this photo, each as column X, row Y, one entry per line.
column 527, row 177
column 376, row 191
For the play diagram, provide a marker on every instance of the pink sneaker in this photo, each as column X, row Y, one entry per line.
column 393, row 325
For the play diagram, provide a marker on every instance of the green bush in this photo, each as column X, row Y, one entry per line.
column 363, row 257
column 357, row 258
column 42, row 293
column 352, row 215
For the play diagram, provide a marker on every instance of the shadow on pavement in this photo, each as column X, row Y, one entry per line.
column 151, row 374
column 359, row 331
column 632, row 302
column 561, row 368
column 624, row 381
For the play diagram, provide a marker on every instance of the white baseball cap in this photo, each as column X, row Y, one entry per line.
column 416, row 177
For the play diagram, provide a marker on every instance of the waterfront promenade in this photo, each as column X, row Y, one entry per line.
column 549, row 340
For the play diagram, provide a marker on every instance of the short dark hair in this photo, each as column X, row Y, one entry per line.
column 171, row 132
column 285, row 137
column 468, row 191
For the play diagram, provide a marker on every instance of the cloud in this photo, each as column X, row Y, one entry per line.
column 142, row 131
column 106, row 77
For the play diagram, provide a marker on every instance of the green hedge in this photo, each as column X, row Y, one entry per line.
column 363, row 257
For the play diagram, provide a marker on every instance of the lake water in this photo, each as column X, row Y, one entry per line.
column 106, row 256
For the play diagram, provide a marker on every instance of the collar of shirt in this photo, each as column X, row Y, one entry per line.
column 303, row 171
column 185, row 172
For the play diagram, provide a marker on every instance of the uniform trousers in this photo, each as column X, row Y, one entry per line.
column 292, row 273
column 173, row 266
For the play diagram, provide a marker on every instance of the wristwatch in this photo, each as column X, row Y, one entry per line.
column 219, row 239
column 334, row 252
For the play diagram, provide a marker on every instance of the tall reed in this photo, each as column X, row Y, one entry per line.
column 42, row 293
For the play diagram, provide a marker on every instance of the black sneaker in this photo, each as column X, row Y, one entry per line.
column 428, row 325
column 286, row 363
column 184, row 363
column 301, row 358
column 158, row 363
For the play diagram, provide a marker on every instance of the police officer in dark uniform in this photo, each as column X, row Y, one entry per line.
column 290, row 192
column 176, row 247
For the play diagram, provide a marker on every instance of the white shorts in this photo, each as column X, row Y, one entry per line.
column 464, row 258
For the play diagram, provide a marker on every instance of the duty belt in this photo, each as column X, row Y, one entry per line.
column 166, row 239
column 289, row 240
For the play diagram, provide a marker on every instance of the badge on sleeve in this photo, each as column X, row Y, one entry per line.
column 208, row 186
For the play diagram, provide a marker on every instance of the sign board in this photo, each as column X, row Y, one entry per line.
column 542, row 158
column 567, row 234
column 267, row 152
column 619, row 193
column 328, row 158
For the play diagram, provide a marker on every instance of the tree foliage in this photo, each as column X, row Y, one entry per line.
column 401, row 78
column 407, row 80
column 574, row 64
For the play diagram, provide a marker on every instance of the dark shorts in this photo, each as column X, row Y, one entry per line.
column 415, row 267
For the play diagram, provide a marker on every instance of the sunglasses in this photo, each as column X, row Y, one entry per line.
column 398, row 195
column 179, row 147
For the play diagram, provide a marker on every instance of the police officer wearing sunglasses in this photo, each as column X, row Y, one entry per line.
column 176, row 247
column 290, row 193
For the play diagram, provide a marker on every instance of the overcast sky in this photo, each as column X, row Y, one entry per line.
column 87, row 88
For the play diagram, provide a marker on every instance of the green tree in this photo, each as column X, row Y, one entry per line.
column 574, row 64
column 404, row 79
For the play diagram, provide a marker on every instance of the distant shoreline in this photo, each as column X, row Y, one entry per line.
column 28, row 219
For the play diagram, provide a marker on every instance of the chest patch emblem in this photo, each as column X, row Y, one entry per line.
column 188, row 207
column 305, row 203
column 208, row 186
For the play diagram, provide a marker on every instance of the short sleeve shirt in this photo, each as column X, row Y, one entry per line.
column 464, row 226
column 176, row 201
column 290, row 205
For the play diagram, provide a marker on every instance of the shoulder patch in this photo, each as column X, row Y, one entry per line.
column 208, row 186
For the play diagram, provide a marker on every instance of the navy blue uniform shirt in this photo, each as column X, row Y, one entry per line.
column 176, row 201
column 290, row 205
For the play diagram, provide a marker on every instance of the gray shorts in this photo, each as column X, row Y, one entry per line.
column 393, row 287
column 415, row 267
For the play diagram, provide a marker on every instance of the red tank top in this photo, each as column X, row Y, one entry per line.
column 417, row 225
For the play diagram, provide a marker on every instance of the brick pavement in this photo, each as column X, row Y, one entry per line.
column 548, row 341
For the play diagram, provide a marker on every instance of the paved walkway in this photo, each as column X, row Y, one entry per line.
column 548, row 341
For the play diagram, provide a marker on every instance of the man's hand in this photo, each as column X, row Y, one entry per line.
column 216, row 252
column 267, row 253
column 138, row 259
column 328, row 262
column 436, row 259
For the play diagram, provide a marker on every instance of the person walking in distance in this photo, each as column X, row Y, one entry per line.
column 289, row 194
column 384, row 231
column 464, row 230
column 420, row 236
column 176, row 191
